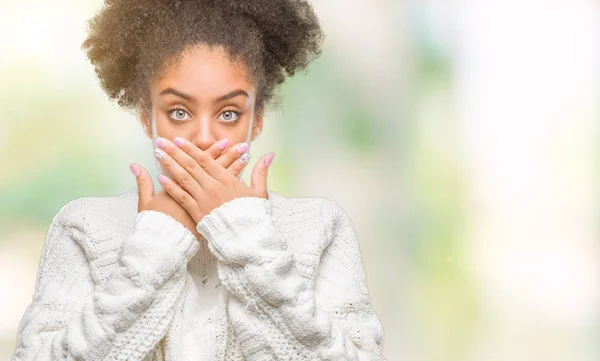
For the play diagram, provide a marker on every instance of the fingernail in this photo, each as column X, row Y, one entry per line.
column 159, row 153
column 223, row 143
column 242, row 148
column 134, row 169
column 178, row 142
column 162, row 179
column 160, row 142
column 245, row 158
column 269, row 159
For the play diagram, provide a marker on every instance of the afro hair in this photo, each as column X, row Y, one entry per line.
column 130, row 42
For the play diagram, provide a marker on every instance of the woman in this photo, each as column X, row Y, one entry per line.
column 208, row 268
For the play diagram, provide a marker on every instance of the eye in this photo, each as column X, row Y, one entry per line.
column 179, row 114
column 229, row 116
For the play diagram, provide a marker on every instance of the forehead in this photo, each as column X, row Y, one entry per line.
column 204, row 71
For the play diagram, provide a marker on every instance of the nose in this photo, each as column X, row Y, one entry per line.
column 204, row 141
column 203, row 136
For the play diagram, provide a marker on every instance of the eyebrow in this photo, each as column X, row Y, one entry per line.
column 233, row 94
column 179, row 94
column 191, row 99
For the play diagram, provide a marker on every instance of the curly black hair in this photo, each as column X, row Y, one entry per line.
column 131, row 42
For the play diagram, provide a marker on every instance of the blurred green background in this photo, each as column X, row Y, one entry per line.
column 462, row 138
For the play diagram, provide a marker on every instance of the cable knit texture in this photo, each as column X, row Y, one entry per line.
column 271, row 279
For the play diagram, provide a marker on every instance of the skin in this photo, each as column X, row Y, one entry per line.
column 198, row 103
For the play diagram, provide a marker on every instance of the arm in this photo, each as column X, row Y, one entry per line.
column 278, row 313
column 100, row 295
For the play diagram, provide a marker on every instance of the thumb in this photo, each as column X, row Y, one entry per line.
column 258, row 179
column 144, row 184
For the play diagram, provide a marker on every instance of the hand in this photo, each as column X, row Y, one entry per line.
column 200, row 184
column 162, row 202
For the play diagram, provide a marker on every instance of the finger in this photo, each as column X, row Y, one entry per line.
column 232, row 154
column 186, row 150
column 228, row 158
column 144, row 184
column 184, row 170
column 183, row 198
column 217, row 149
column 232, row 159
column 258, row 180
column 237, row 167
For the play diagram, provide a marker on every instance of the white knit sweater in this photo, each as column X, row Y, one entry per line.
column 276, row 279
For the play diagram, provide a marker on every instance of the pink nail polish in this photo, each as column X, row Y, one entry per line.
column 160, row 142
column 269, row 159
column 134, row 169
column 242, row 148
column 178, row 142
column 223, row 143
column 162, row 179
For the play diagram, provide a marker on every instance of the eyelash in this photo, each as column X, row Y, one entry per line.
column 238, row 113
column 171, row 110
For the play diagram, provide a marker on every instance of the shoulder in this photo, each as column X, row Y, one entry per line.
column 96, row 225
column 85, row 227
column 326, row 231
column 89, row 213
column 318, row 217
column 328, row 211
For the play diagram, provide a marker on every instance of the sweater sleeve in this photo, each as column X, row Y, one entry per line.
column 100, row 294
column 279, row 314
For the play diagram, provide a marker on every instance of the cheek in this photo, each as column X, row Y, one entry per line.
column 244, row 129
column 169, row 129
column 235, row 134
column 165, row 129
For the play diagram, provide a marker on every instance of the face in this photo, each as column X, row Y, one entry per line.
column 204, row 98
